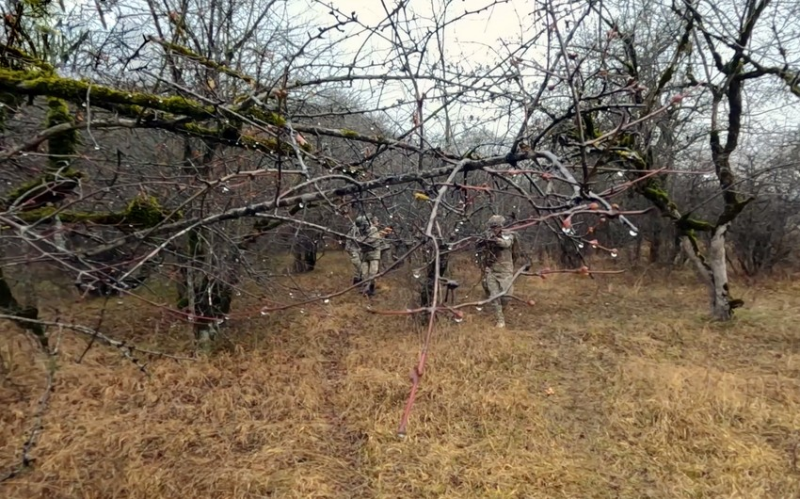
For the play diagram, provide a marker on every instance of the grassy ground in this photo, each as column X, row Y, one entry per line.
column 606, row 388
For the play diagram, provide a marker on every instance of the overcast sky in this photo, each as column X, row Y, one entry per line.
column 476, row 39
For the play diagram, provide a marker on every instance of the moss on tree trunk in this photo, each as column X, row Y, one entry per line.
column 142, row 212
column 62, row 146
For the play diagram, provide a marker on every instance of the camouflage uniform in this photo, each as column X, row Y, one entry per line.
column 497, row 265
column 353, row 249
column 370, row 255
column 384, row 244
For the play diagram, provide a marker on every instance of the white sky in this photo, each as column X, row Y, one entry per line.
column 471, row 41
column 473, row 34
column 477, row 40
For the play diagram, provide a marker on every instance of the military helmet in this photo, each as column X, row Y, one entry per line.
column 496, row 221
column 362, row 221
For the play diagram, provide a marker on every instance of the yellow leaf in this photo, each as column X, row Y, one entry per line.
column 421, row 196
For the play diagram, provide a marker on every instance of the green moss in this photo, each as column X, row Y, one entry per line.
column 180, row 49
column 141, row 212
column 42, row 188
column 44, row 83
column 232, row 137
column 687, row 223
column 270, row 117
column 137, row 104
column 631, row 156
column 732, row 210
column 692, row 236
column 225, row 135
column 133, row 104
column 64, row 143
column 658, row 197
column 20, row 56
column 626, row 140
column 350, row 134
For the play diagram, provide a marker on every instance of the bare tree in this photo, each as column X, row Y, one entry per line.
column 642, row 52
column 188, row 139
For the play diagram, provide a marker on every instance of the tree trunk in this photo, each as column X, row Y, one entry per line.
column 305, row 253
column 637, row 251
column 9, row 305
column 655, row 244
column 428, row 284
column 207, row 276
column 212, row 303
column 568, row 256
column 713, row 271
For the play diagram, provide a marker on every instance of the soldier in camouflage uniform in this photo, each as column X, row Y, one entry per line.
column 354, row 249
column 370, row 245
column 496, row 258
column 385, row 244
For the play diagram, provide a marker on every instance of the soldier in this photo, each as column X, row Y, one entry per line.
column 353, row 248
column 496, row 254
column 370, row 245
column 385, row 244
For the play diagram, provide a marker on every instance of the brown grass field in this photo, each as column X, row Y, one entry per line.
column 614, row 387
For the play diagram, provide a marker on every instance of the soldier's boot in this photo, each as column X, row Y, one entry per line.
column 356, row 280
column 501, row 321
column 371, row 289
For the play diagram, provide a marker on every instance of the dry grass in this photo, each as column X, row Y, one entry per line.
column 607, row 388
